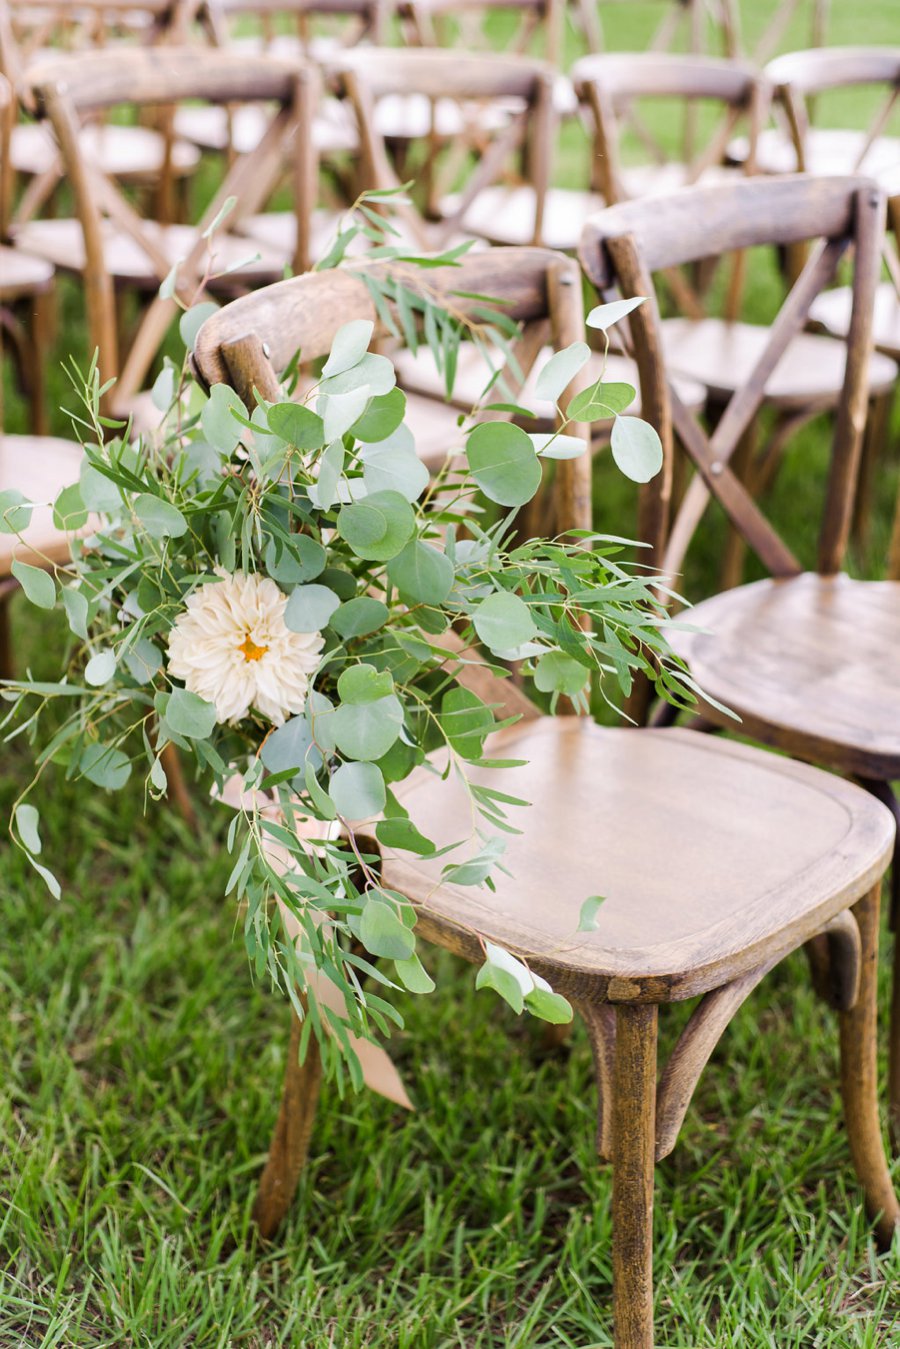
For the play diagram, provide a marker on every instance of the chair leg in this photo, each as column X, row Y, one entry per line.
column 290, row 1142
column 633, row 1153
column 859, row 1081
column 894, row 1048
column 44, row 318
column 874, row 442
column 177, row 791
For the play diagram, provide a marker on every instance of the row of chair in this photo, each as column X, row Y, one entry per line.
column 716, row 859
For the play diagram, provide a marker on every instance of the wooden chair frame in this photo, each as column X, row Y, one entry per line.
column 370, row 17
column 609, row 84
column 151, row 78
column 424, row 23
column 798, row 77
column 365, row 75
column 639, row 1114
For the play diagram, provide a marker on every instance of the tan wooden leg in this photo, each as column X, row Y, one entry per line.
column 43, row 319
column 873, row 446
column 894, row 1053
column 290, row 1142
column 859, row 1085
column 633, row 1153
column 177, row 791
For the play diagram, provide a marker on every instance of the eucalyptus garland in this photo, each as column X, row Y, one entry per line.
column 269, row 592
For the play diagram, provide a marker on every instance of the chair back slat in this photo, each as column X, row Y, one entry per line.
column 249, row 342
column 71, row 89
column 426, row 23
column 624, row 246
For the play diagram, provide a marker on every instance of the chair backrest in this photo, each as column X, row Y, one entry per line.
column 71, row 90
column 250, row 342
column 539, row 24
column 356, row 20
column 524, row 135
column 799, row 76
column 611, row 85
column 623, row 247
column 682, row 25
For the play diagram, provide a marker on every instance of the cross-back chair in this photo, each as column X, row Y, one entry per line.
column 473, row 85
column 807, row 659
column 617, row 86
column 802, row 81
column 37, row 465
column 537, row 25
column 716, row 859
column 113, row 247
column 150, row 157
column 319, row 29
column 790, row 375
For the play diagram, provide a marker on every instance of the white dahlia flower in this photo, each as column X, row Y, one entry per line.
column 232, row 647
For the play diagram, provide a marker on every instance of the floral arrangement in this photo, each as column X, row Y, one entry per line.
column 268, row 592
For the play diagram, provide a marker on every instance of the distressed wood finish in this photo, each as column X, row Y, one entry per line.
column 808, row 661
column 752, row 855
column 111, row 244
column 505, row 102
column 610, row 86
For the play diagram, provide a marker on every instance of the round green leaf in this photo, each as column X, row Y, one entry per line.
column 503, row 621
column 360, row 684
column 14, row 516
column 555, row 672
column 190, row 715
column 309, row 608
column 297, row 425
column 382, row 932
column 359, row 617
column 358, row 791
column 295, row 561
column 378, row 527
column 38, row 585
column 394, row 466
column 375, row 373
column 503, row 463
column 381, row 418
column 366, row 730
column 160, row 518
column 69, row 511
column 219, row 425
column 560, row 370
column 193, row 319
column 105, row 766
column 422, row 574
column 100, row 669
column 351, row 342
column 636, row 448
column 290, row 746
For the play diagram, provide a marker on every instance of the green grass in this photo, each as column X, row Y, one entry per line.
column 141, row 1072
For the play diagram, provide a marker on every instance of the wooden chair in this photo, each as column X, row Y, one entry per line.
column 112, row 247
column 807, row 659
column 717, row 859
column 519, row 140
column 799, row 79
column 683, row 25
column 794, row 375
column 614, row 88
column 349, row 22
column 537, row 26
column 147, row 157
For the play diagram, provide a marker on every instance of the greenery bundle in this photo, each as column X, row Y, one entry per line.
column 270, row 591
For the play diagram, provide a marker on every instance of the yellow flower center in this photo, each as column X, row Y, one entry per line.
column 250, row 651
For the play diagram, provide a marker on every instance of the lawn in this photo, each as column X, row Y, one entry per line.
column 141, row 1073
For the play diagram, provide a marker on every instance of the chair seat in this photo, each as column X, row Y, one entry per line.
column 721, row 356
column 505, row 215
column 39, row 467
column 414, row 116
column 62, row 243
column 712, row 856
column 208, row 126
column 418, row 372
column 831, row 309
column 132, row 153
column 22, row 273
column 827, row 151
column 809, row 663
